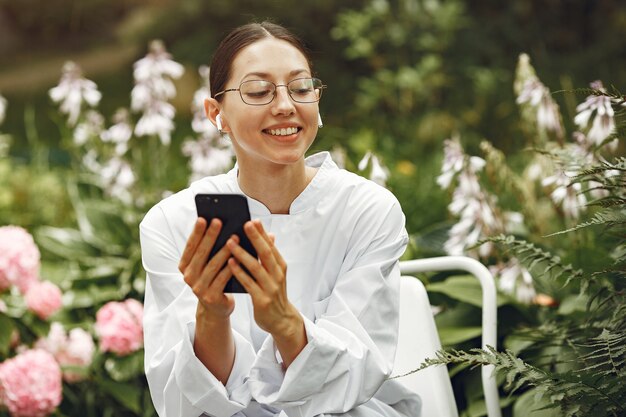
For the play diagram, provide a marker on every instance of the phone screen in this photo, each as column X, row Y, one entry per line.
column 232, row 210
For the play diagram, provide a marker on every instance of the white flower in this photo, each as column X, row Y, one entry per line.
column 3, row 108
column 513, row 278
column 379, row 173
column 538, row 96
column 200, row 123
column 119, row 133
column 157, row 64
column 474, row 207
column 73, row 92
column 602, row 122
column 90, row 127
column 157, row 120
column 453, row 161
column 338, row 155
column 565, row 193
column 153, row 88
column 206, row 157
column 116, row 175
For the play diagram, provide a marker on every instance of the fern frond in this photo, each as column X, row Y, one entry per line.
column 531, row 256
column 602, row 167
column 603, row 218
column 609, row 353
column 611, row 201
column 615, row 94
column 572, row 392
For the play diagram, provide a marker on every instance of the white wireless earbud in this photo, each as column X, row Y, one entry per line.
column 319, row 120
column 218, row 122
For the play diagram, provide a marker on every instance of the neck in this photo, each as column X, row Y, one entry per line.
column 274, row 185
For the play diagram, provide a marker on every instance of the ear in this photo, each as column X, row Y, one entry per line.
column 212, row 108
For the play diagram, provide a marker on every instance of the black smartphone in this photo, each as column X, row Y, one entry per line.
column 232, row 210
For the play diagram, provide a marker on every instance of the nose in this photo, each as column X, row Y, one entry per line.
column 282, row 103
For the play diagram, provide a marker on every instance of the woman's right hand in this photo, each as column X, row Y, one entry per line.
column 207, row 280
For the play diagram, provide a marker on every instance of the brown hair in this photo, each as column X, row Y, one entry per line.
column 238, row 39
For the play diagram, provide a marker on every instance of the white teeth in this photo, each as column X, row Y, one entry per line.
column 283, row 132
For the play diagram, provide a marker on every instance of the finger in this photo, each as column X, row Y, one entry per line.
column 259, row 226
column 254, row 267
column 200, row 256
column 263, row 247
column 244, row 279
column 192, row 243
column 271, row 238
column 220, row 281
column 220, row 258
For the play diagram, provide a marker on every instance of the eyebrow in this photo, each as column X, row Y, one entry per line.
column 265, row 74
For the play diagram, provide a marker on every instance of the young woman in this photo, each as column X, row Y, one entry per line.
column 316, row 334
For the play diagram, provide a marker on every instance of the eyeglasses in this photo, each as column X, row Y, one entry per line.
column 261, row 92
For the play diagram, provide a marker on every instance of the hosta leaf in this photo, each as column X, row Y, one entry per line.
column 124, row 368
column 64, row 243
column 128, row 395
column 464, row 288
column 6, row 331
column 453, row 335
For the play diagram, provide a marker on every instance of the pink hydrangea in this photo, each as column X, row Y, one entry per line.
column 44, row 299
column 19, row 258
column 119, row 327
column 30, row 384
column 74, row 352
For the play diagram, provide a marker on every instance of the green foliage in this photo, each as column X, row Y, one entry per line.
column 579, row 358
column 402, row 76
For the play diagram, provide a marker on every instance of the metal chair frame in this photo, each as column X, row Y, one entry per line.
column 489, row 311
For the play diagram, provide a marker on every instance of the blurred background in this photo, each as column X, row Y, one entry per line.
column 403, row 77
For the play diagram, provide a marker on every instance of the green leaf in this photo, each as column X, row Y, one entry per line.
column 128, row 395
column 94, row 295
column 572, row 304
column 464, row 288
column 123, row 368
column 529, row 405
column 105, row 221
column 65, row 243
column 517, row 344
column 6, row 330
column 453, row 335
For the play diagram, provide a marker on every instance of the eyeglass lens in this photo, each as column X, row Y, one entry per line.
column 301, row 90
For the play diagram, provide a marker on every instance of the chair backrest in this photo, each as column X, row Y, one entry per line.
column 418, row 340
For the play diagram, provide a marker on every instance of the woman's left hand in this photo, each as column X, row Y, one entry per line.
column 272, row 310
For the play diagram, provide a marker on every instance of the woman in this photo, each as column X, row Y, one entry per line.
column 317, row 331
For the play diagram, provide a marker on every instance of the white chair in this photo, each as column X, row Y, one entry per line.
column 418, row 338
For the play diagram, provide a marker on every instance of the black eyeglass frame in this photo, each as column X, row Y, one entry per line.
column 321, row 88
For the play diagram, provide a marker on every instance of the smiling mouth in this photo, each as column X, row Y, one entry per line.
column 285, row 131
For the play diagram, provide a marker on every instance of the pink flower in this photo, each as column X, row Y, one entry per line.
column 44, row 299
column 119, row 327
column 19, row 258
column 30, row 384
column 73, row 353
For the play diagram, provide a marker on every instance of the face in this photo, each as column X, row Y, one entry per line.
column 276, row 133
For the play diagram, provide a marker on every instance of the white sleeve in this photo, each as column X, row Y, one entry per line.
column 351, row 345
column 180, row 385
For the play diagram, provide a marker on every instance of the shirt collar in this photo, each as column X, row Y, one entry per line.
column 308, row 198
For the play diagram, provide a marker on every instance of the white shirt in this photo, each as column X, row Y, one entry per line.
column 341, row 241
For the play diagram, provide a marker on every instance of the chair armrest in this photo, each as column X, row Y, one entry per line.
column 489, row 311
